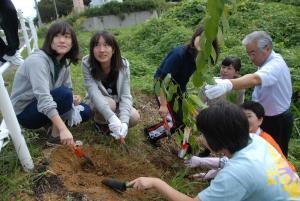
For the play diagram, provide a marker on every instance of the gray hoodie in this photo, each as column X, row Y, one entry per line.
column 97, row 92
column 34, row 80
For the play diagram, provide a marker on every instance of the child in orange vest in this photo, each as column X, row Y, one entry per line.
column 255, row 113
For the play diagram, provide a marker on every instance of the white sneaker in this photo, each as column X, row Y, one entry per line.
column 16, row 59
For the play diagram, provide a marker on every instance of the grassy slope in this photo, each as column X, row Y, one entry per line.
column 145, row 45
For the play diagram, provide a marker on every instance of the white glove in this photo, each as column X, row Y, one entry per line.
column 115, row 126
column 75, row 115
column 209, row 175
column 117, row 137
column 124, row 130
column 206, row 162
column 220, row 88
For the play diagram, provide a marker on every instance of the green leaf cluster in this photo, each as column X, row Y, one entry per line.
column 118, row 8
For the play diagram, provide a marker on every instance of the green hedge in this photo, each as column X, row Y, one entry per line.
column 117, row 8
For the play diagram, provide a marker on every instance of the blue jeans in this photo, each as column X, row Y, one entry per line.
column 31, row 118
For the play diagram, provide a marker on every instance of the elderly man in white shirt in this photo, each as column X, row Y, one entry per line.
column 272, row 87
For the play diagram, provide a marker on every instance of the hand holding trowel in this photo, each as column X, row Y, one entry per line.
column 122, row 142
column 115, row 184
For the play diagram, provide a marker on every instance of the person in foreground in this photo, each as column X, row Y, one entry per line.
column 42, row 88
column 255, row 114
column 107, row 81
column 254, row 171
column 272, row 87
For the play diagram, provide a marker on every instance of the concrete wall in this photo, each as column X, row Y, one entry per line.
column 112, row 21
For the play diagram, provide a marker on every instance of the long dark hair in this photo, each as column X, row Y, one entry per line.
column 191, row 45
column 116, row 59
column 61, row 27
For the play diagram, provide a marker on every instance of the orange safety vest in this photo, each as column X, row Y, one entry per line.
column 269, row 139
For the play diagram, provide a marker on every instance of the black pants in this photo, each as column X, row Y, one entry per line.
column 9, row 24
column 280, row 128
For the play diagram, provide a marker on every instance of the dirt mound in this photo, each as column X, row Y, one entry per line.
column 68, row 178
column 65, row 178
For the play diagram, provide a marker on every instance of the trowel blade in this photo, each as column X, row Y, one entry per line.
column 115, row 184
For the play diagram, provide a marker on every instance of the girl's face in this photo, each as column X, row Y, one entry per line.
column 103, row 52
column 62, row 44
column 254, row 122
column 228, row 72
column 197, row 44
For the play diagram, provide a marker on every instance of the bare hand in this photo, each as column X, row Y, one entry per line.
column 142, row 183
column 163, row 111
column 66, row 138
column 76, row 99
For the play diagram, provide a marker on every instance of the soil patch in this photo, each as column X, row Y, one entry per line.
column 66, row 179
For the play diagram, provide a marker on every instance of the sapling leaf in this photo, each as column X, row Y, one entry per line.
column 175, row 106
column 157, row 87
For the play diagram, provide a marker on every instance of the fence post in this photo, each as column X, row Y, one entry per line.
column 13, row 126
column 33, row 35
column 24, row 31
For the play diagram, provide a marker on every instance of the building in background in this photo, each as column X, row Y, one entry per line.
column 95, row 3
column 78, row 6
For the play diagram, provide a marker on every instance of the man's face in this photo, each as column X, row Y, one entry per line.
column 256, row 56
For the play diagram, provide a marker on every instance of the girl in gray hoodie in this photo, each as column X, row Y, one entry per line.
column 42, row 87
column 107, row 81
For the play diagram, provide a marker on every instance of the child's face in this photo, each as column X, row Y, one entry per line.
column 254, row 122
column 228, row 72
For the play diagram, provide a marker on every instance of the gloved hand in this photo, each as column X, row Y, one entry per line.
column 208, row 175
column 115, row 126
column 205, row 162
column 220, row 88
column 124, row 130
column 73, row 116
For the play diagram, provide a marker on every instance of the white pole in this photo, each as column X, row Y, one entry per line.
column 33, row 34
column 25, row 35
column 14, row 128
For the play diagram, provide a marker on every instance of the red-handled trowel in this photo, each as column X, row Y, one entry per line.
column 86, row 161
column 185, row 143
column 115, row 184
column 167, row 128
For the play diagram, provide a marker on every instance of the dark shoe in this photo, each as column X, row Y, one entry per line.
column 53, row 141
column 204, row 153
column 102, row 128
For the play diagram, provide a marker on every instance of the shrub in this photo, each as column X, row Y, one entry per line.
column 190, row 13
column 117, row 8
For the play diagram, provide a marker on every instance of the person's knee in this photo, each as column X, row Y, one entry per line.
column 66, row 93
column 63, row 97
column 134, row 118
column 87, row 113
